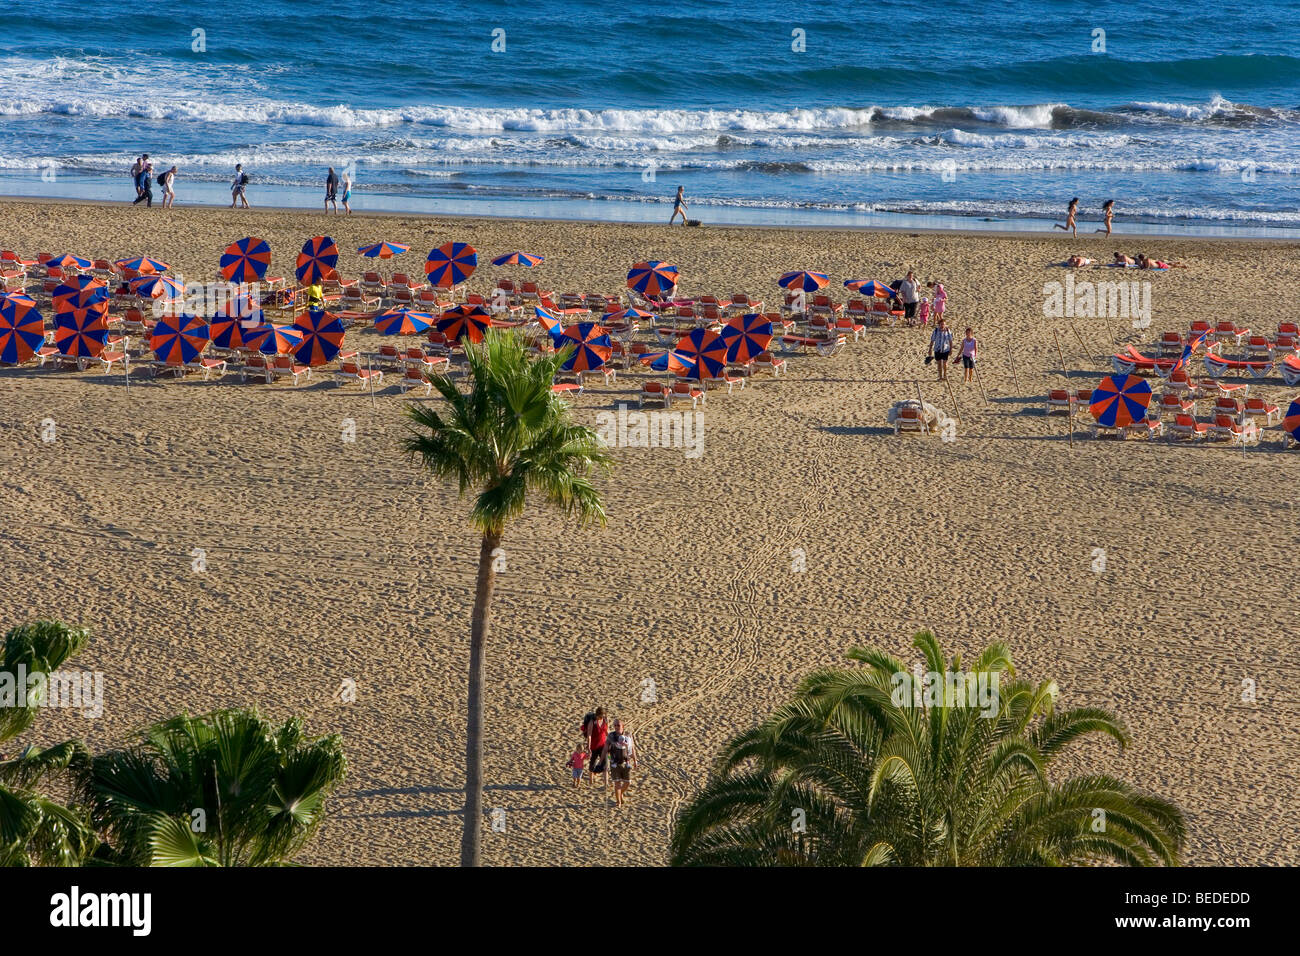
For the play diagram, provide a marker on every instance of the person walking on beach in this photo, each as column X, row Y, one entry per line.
column 595, row 730
column 347, row 192
column 679, row 207
column 331, row 189
column 1070, row 212
column 237, row 187
column 1108, row 209
column 136, row 168
column 969, row 348
column 907, row 291
column 146, row 189
column 577, row 761
column 938, row 298
column 941, row 346
column 622, row 760
column 167, row 180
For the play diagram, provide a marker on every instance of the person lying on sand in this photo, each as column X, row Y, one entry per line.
column 1122, row 260
column 1074, row 262
column 1146, row 262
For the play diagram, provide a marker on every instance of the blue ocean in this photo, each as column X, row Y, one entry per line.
column 905, row 113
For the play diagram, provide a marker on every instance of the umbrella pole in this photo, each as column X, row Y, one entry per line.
column 1075, row 329
column 1011, row 358
column 952, row 395
column 370, row 378
column 1066, row 372
column 980, row 384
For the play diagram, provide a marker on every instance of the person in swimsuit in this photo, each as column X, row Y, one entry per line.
column 679, row 207
column 168, row 182
column 347, row 192
column 1108, row 208
column 1122, row 260
column 1070, row 213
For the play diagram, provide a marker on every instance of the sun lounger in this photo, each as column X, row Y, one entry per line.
column 1060, row 400
column 1186, row 426
column 1290, row 369
column 255, row 364
column 686, row 392
column 1226, row 428
column 908, row 419
column 655, row 391
column 285, row 365
column 1174, row 404
column 1148, row 428
column 725, row 380
column 567, row 388
column 209, row 365
column 606, row 372
column 1217, row 367
column 1258, row 408
column 414, row 377
column 353, row 372
column 1228, row 331
column 846, row 325
column 766, row 360
column 1170, row 344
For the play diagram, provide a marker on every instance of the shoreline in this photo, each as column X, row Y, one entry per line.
column 973, row 233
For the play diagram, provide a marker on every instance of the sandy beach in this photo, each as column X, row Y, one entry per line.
column 330, row 561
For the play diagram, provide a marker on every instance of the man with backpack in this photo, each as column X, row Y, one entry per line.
column 622, row 760
column 237, row 187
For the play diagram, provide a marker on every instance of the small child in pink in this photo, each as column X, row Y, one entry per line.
column 577, row 761
column 940, row 300
column 923, row 312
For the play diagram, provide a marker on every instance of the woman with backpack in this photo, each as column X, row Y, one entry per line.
column 595, row 730
column 622, row 760
column 167, row 179
column 237, row 187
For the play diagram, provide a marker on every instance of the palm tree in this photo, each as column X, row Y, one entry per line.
column 222, row 789
column 35, row 830
column 858, row 769
column 509, row 434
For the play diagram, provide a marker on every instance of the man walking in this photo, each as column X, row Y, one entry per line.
column 941, row 347
column 910, row 296
column 331, row 190
column 622, row 760
column 146, row 189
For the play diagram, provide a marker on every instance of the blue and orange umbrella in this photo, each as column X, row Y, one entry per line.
column 652, row 277
column 465, row 321
column 1291, row 424
column 383, row 250
column 157, row 287
column 273, row 339
column 179, row 339
column 706, row 350
column 629, row 315
column 554, row 328
column 68, row 262
column 803, row 281
column 82, row 292
column 143, row 265
column 22, row 330
column 671, row 361
column 246, row 260
column 747, row 337
column 1120, row 400
column 80, row 332
column 525, row 259
column 593, row 347
column 869, row 287
column 239, row 315
column 450, row 264
column 403, row 322
column 317, row 260
column 322, row 337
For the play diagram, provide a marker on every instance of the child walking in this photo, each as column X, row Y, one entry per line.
column 969, row 349
column 578, row 760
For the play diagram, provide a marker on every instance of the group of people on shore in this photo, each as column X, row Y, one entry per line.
column 1072, row 211
column 143, row 178
column 920, row 310
column 605, row 748
column 1121, row 260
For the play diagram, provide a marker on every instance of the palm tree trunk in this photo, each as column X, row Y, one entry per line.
column 472, row 836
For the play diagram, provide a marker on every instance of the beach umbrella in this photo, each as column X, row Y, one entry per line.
column 450, row 264
column 143, row 265
column 593, row 347
column 157, row 287
column 383, row 250
column 652, row 278
column 869, row 287
column 80, row 332
column 273, row 339
column 68, row 262
column 1291, row 424
column 403, row 322
column 747, row 336
column 317, row 260
column 803, row 281
column 81, row 292
column 465, row 321
column 246, row 260
column 322, row 337
column 1120, row 400
column 237, row 316
column 629, row 315
column 671, row 361
column 22, row 330
column 554, row 328
column 525, row 259
column 179, row 339
column 706, row 350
